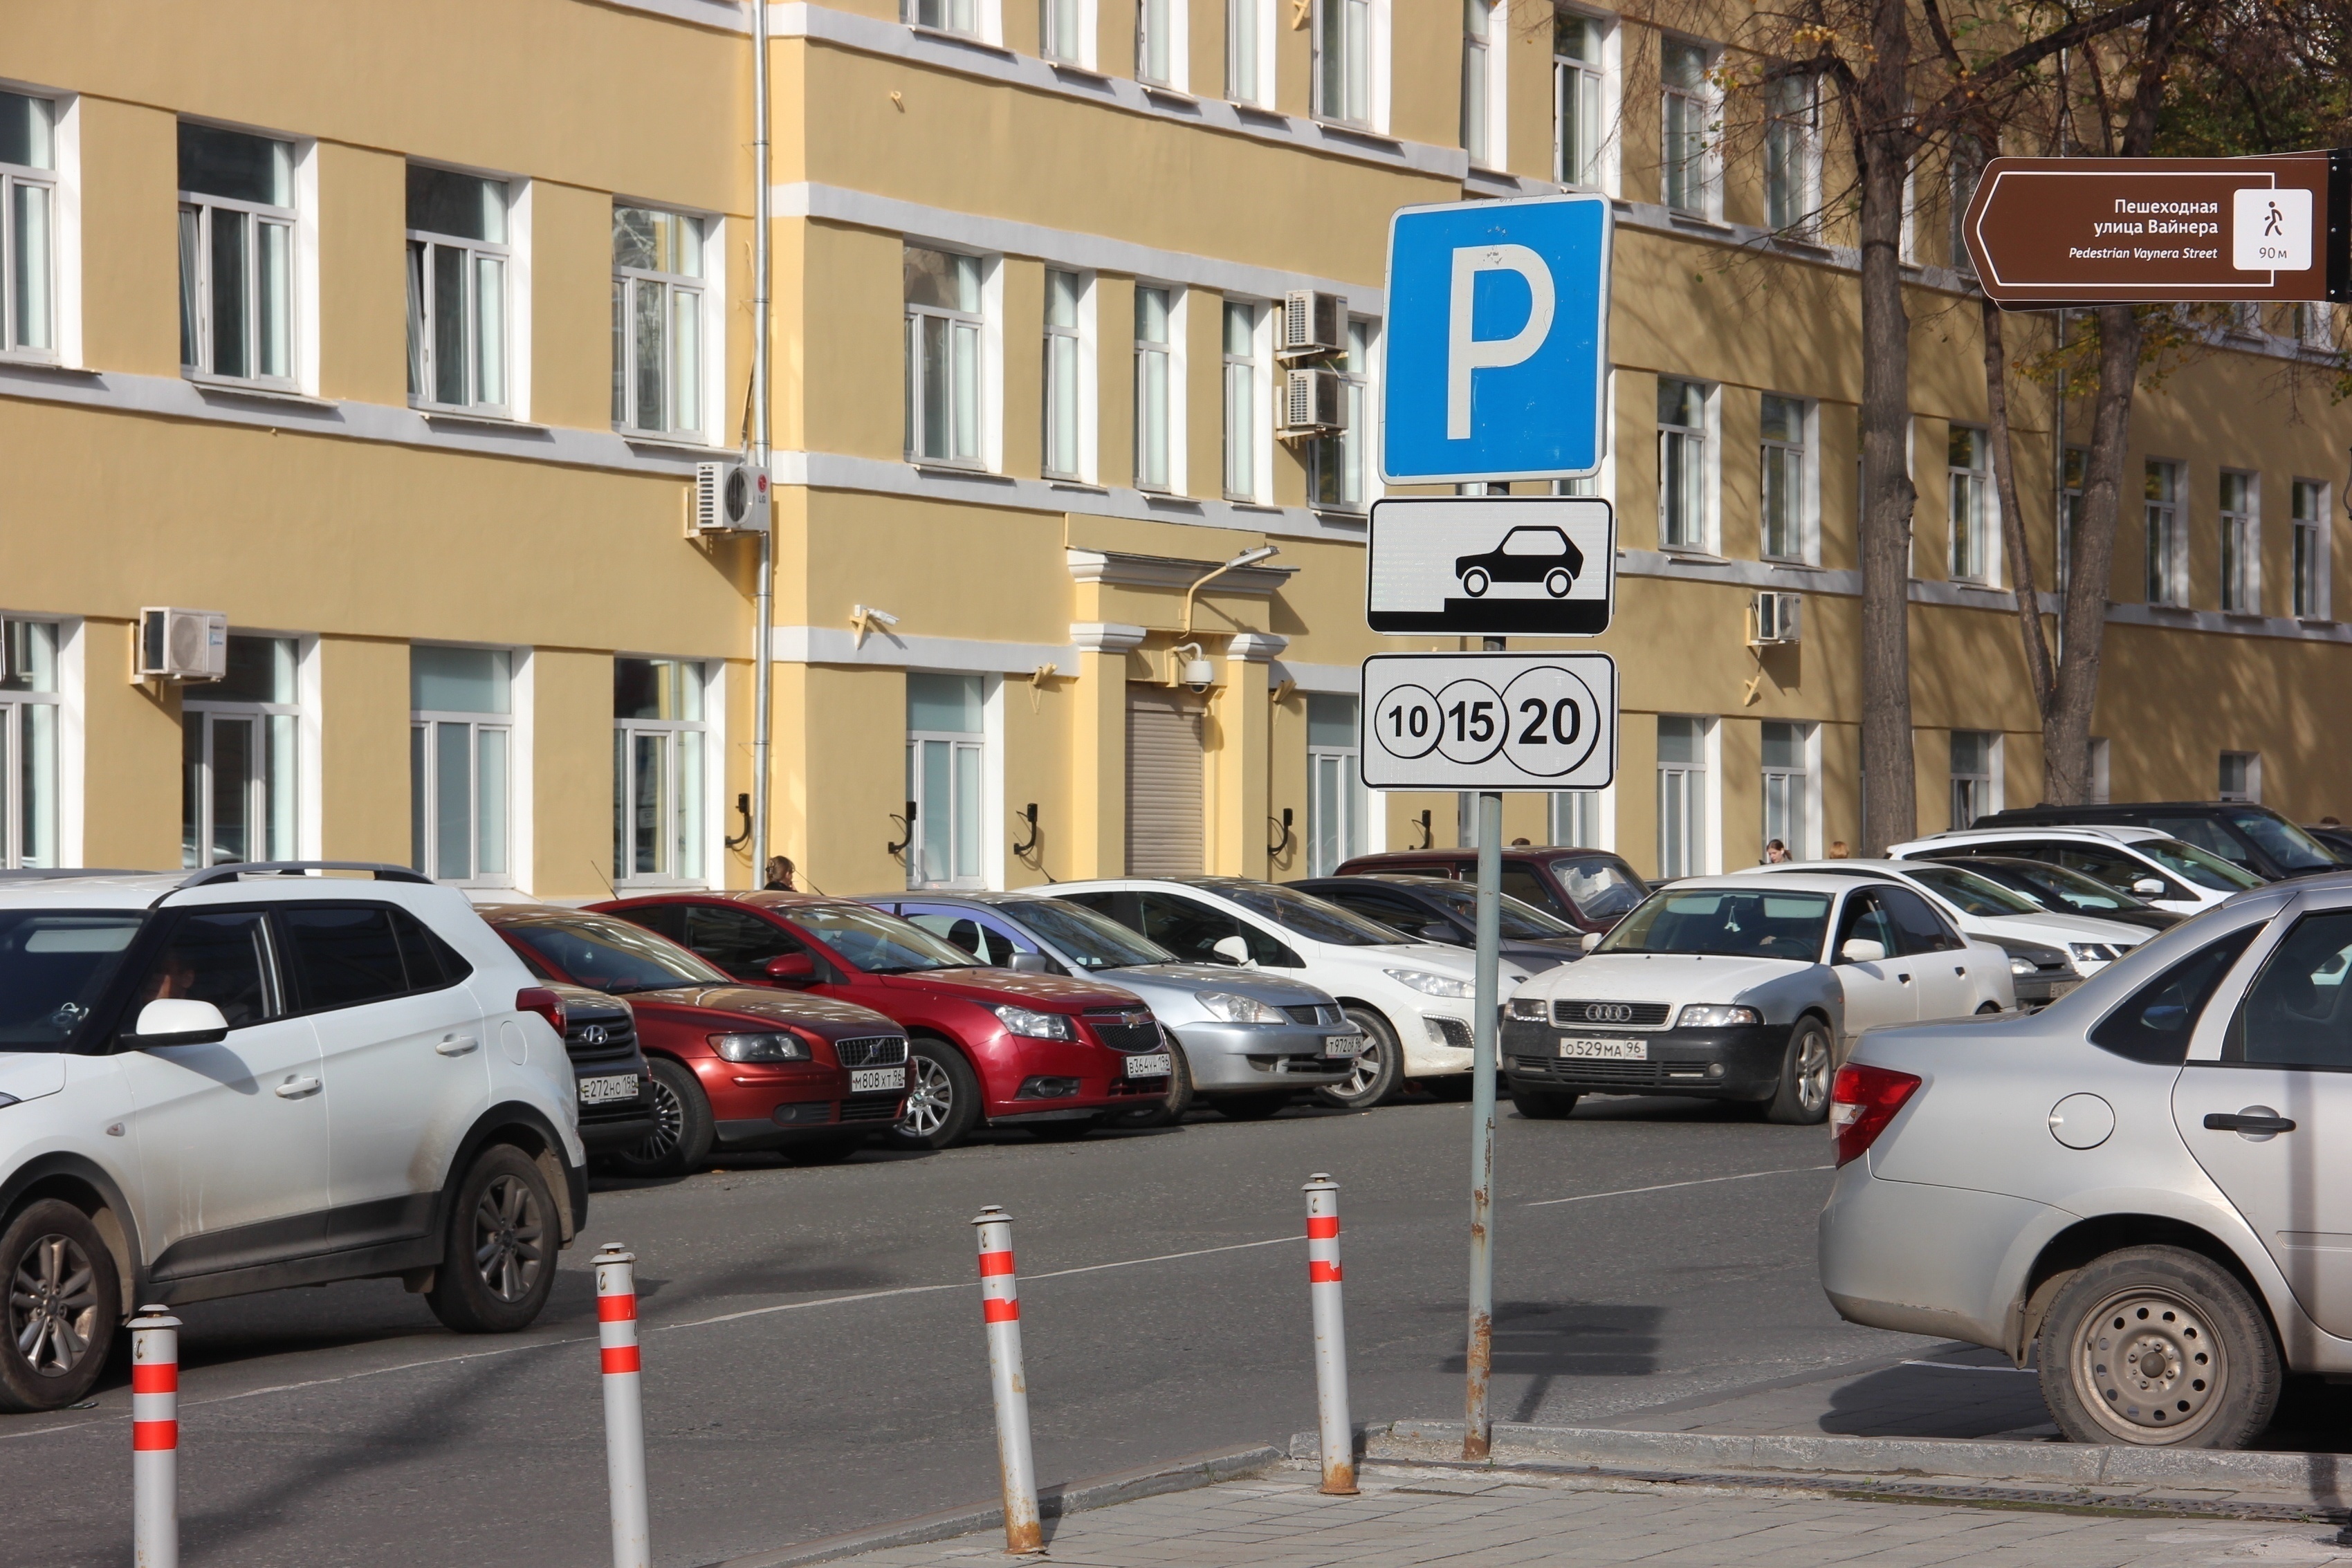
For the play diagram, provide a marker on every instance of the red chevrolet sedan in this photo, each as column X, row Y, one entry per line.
column 734, row 1067
column 1053, row 1055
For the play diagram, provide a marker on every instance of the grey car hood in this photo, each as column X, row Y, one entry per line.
column 1193, row 978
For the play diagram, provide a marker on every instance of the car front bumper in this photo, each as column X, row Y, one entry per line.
column 1250, row 1056
column 752, row 1107
column 1742, row 1063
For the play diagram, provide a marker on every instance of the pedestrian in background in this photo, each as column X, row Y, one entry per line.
column 1838, row 851
column 1776, row 854
column 780, row 876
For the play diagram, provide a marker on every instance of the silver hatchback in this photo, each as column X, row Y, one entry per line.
column 2142, row 1183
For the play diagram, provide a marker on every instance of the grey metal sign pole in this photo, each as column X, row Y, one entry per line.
column 1477, row 1426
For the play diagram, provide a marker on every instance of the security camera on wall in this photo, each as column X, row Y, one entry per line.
column 1199, row 675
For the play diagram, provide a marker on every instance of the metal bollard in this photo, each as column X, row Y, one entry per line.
column 624, row 1418
column 155, row 1438
column 1339, row 1435
column 999, row 1309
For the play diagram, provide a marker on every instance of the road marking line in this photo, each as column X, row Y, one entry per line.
column 1965, row 1366
column 1670, row 1185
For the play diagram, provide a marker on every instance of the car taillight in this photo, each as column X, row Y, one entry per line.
column 545, row 1003
column 1862, row 1102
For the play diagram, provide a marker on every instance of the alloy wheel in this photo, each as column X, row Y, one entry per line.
column 669, row 1125
column 1366, row 1070
column 52, row 1305
column 2149, row 1367
column 930, row 1100
column 1813, row 1071
column 508, row 1227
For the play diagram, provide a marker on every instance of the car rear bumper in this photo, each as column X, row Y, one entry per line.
column 1918, row 1258
column 1256, row 1056
column 1741, row 1063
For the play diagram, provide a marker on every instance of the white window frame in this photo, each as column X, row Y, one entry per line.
column 1984, row 789
column 1340, row 766
column 1564, row 806
column 1707, row 802
column 425, row 808
column 1599, row 79
column 1367, row 107
column 1251, row 42
column 983, row 20
column 1360, row 400
column 422, row 368
column 1806, row 496
column 712, row 820
column 1960, row 190
column 2313, row 583
column 986, row 430
column 1806, row 780
column 1172, row 40
column 2101, row 758
column 1078, row 19
column 1254, row 371
column 61, row 252
column 1706, row 432
column 1705, row 101
column 2251, row 787
column 1173, row 366
column 984, row 744
column 1082, row 376
column 1792, row 159
column 709, row 317
column 1485, row 59
column 289, row 825
column 1969, row 553
column 300, row 325
column 2242, row 544
column 2165, row 535
column 17, row 724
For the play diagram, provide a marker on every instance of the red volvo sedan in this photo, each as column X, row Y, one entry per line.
column 734, row 1067
column 1010, row 1048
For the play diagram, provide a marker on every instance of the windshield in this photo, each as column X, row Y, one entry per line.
column 1088, row 940
column 2293, row 849
column 1522, row 922
column 2065, row 888
column 877, row 943
column 53, row 965
column 2202, row 867
column 1602, row 888
column 1732, row 924
column 606, row 954
column 1311, row 917
column 1973, row 893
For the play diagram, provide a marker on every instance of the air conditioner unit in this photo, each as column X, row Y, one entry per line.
column 1314, row 403
column 1775, row 619
column 729, row 498
column 181, row 645
column 1313, row 323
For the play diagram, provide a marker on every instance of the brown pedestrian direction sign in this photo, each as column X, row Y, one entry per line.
column 2046, row 232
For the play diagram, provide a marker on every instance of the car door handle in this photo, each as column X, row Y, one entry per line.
column 457, row 1045
column 2244, row 1123
column 1961, row 970
column 1905, row 978
column 295, row 1088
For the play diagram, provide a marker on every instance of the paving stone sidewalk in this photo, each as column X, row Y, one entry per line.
column 1279, row 1520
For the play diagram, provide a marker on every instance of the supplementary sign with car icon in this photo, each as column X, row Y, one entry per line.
column 1527, row 565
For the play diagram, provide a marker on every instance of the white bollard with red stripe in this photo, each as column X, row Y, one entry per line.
column 155, row 1440
column 999, row 1309
column 1339, row 1437
column 624, row 1420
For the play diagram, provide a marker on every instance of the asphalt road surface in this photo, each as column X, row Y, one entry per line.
column 814, row 1358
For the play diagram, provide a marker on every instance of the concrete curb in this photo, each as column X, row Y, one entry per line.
column 1052, row 1503
column 2326, row 1478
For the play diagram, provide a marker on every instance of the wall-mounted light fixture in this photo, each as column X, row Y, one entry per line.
column 1027, row 814
column 1428, row 839
column 906, row 826
column 864, row 620
column 1282, row 835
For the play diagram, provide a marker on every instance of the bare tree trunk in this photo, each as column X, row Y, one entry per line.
column 2019, row 553
column 1890, row 804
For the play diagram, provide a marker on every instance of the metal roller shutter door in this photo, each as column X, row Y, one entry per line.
column 1163, row 784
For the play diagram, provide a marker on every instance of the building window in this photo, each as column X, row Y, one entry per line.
column 1681, row 464
column 1160, row 43
column 1681, row 796
column 2242, row 544
column 1792, row 155
column 657, row 321
column 1063, row 457
column 1964, row 474
column 946, row 15
column 1244, row 437
column 1154, row 353
column 1966, row 166
column 1343, row 61
column 1062, row 28
column 1976, row 763
column 1579, row 113
column 1335, row 790
column 1784, row 488
column 29, row 706
column 1338, row 462
column 237, row 256
column 1787, row 789
column 1577, row 819
column 460, row 748
column 457, row 268
column 2310, row 575
column 945, row 744
column 28, row 207
column 2070, row 511
column 1685, row 151
column 1481, row 88
column 942, row 357
column 661, row 746
column 1249, row 50
column 2168, row 543
column 2099, row 761
column 238, row 749
column 2241, row 776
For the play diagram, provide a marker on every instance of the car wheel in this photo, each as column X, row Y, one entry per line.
column 943, row 1098
column 1543, row 1104
column 1166, row 1112
column 1249, row 1107
column 1474, row 581
column 1802, row 1099
column 1063, row 1132
column 63, row 1302
column 1557, row 582
column 2159, row 1347
column 498, row 1260
column 682, row 1132
column 1379, row 1069
column 829, row 1150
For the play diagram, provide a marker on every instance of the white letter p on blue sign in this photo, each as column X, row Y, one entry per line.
column 1498, row 351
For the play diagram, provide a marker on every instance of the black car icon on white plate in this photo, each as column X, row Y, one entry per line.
column 1539, row 554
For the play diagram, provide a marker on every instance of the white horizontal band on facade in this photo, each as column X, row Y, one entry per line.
column 1063, row 247
column 1344, row 678
column 884, row 649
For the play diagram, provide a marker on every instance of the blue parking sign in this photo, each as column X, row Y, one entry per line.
column 1498, row 341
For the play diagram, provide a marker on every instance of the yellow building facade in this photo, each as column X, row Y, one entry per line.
column 392, row 337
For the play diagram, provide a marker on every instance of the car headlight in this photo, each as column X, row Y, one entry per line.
column 1240, row 1009
column 1430, row 985
column 1714, row 1015
column 1527, row 1009
column 761, row 1047
column 1035, row 1025
column 2090, row 953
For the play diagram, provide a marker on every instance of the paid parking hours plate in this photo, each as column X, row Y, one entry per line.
column 864, row 1079
column 1155, row 1065
column 1343, row 1045
column 597, row 1091
column 1592, row 1049
column 1490, row 721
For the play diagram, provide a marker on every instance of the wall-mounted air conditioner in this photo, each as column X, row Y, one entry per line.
column 181, row 645
column 729, row 498
column 1314, row 403
column 1775, row 619
column 1312, row 324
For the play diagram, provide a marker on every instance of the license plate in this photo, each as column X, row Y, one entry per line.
column 1156, row 1065
column 597, row 1091
column 1343, row 1045
column 864, row 1079
column 1604, row 1049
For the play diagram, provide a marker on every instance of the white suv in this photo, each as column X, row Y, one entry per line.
column 251, row 1077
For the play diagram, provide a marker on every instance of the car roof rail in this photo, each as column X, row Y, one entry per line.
column 236, row 869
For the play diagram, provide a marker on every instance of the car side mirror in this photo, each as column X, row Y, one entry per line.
column 1862, row 950
column 179, row 1020
column 1589, row 940
column 2149, row 887
column 791, row 969
column 1233, row 951
column 1030, row 964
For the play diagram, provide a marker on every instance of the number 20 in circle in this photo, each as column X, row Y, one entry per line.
column 1553, row 720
